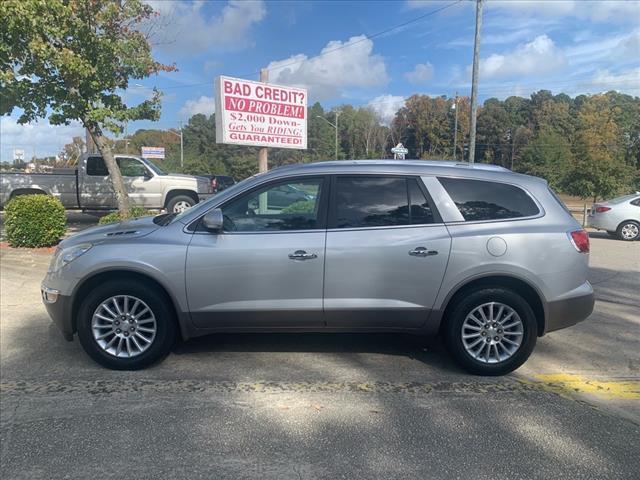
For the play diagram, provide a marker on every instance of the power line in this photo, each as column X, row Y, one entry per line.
column 341, row 47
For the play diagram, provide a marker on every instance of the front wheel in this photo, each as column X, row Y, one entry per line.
column 180, row 203
column 491, row 331
column 125, row 325
column 629, row 231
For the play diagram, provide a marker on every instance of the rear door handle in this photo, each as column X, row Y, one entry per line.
column 422, row 252
column 302, row 255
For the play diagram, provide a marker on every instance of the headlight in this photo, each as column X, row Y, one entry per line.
column 67, row 255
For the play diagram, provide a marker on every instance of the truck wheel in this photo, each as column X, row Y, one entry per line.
column 124, row 325
column 491, row 331
column 628, row 231
column 180, row 203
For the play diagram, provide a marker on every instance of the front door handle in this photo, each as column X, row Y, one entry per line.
column 302, row 255
column 422, row 252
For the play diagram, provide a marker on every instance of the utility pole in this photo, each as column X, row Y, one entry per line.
column 263, row 156
column 474, row 83
column 181, row 144
column 455, row 127
column 181, row 147
column 337, row 115
column 335, row 126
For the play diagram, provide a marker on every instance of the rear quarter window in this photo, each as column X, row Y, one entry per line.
column 479, row 200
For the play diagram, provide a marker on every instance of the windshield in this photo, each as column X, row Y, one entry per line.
column 156, row 169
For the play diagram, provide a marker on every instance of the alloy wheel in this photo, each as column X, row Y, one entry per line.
column 124, row 326
column 492, row 332
column 629, row 231
column 181, row 206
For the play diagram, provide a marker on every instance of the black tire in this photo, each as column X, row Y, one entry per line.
column 629, row 224
column 612, row 234
column 166, row 331
column 173, row 201
column 466, row 304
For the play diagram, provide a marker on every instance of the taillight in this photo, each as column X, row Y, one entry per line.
column 580, row 240
column 602, row 209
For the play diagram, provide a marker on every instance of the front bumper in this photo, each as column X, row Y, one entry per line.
column 205, row 196
column 569, row 311
column 59, row 309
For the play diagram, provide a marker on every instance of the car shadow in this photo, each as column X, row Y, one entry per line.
column 427, row 350
column 603, row 235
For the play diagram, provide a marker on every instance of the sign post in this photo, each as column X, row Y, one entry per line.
column 263, row 154
column 399, row 151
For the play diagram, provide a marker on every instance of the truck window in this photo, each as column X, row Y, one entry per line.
column 96, row 167
column 130, row 167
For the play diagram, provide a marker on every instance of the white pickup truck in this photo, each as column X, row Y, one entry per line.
column 88, row 187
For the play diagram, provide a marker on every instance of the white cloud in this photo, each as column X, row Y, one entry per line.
column 339, row 66
column 537, row 57
column 630, row 46
column 626, row 82
column 623, row 48
column 422, row 73
column 386, row 106
column 42, row 137
column 187, row 29
column 205, row 105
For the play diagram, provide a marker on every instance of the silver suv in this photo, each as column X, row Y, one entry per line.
column 488, row 258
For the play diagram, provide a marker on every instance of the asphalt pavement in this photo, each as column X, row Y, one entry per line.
column 323, row 406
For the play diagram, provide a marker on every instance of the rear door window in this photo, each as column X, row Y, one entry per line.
column 96, row 167
column 484, row 200
column 367, row 201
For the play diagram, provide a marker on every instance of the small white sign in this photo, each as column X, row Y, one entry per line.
column 152, row 152
column 260, row 114
column 399, row 151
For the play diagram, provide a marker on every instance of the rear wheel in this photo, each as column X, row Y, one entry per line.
column 126, row 326
column 628, row 231
column 491, row 331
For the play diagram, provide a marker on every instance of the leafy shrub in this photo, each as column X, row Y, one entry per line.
column 301, row 206
column 113, row 217
column 34, row 221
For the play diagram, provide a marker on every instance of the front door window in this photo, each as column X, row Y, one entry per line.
column 289, row 205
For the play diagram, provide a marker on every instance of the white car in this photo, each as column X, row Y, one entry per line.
column 620, row 217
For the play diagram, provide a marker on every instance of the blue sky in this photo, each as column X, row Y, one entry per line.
column 350, row 52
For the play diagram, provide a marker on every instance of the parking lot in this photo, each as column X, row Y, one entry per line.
column 324, row 406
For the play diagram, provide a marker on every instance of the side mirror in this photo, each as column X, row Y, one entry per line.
column 213, row 220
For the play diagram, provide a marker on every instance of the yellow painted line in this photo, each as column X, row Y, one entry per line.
column 563, row 383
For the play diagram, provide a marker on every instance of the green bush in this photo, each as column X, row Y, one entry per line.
column 113, row 217
column 301, row 206
column 34, row 221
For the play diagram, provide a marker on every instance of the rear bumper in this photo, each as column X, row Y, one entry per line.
column 569, row 311
column 601, row 223
column 59, row 309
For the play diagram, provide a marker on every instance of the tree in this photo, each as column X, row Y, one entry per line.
column 547, row 156
column 71, row 59
column 598, row 169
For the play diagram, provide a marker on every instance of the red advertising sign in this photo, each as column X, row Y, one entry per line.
column 260, row 114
